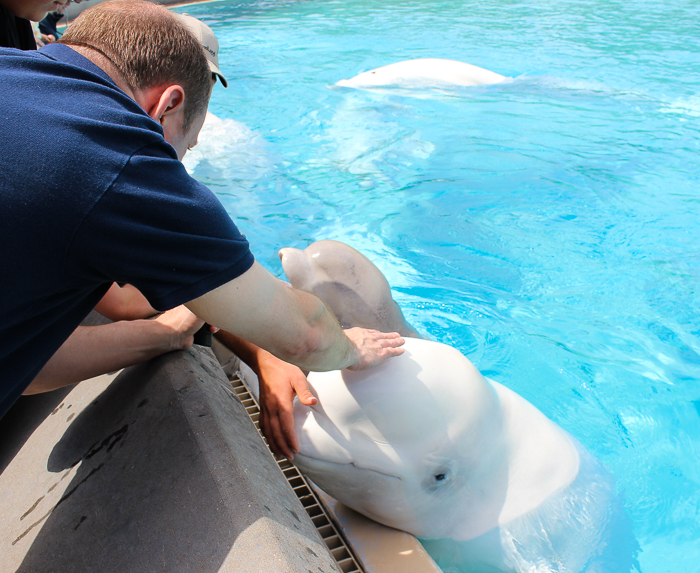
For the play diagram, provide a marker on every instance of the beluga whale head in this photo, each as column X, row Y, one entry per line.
column 348, row 282
column 426, row 444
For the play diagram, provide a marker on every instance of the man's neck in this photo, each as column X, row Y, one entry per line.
column 103, row 62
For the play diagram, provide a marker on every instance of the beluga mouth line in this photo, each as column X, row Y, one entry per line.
column 359, row 467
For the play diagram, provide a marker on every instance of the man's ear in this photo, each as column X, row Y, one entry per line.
column 170, row 102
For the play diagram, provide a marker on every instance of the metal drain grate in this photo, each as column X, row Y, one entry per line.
column 334, row 541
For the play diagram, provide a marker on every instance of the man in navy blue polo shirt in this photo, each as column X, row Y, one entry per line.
column 125, row 94
column 94, row 350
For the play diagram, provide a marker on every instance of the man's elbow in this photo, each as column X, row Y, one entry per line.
column 305, row 351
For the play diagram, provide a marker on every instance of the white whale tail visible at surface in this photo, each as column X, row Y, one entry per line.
column 423, row 73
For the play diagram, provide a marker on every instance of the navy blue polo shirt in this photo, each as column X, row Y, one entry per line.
column 91, row 194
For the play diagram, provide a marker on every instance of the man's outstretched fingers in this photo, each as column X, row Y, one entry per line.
column 289, row 438
column 275, row 437
column 374, row 347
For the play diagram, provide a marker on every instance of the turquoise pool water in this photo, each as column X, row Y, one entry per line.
column 548, row 227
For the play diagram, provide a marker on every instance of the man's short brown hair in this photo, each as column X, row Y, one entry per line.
column 149, row 46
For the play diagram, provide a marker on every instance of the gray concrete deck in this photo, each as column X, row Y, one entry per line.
column 158, row 468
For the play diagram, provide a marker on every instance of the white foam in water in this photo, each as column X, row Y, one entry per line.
column 363, row 137
column 684, row 106
column 231, row 148
column 573, row 84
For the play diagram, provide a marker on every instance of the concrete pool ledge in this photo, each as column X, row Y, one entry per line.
column 160, row 468
column 380, row 549
column 156, row 468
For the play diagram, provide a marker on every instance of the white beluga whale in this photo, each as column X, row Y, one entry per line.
column 426, row 444
column 348, row 282
column 423, row 73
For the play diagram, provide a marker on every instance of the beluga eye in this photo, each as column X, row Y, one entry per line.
column 438, row 479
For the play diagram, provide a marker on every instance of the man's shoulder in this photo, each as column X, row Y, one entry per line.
column 54, row 63
column 57, row 92
column 79, row 130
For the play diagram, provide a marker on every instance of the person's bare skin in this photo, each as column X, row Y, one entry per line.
column 279, row 382
column 34, row 10
column 94, row 350
column 124, row 303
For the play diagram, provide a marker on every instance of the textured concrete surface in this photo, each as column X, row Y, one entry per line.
column 156, row 469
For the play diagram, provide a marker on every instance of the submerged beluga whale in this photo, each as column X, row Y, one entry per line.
column 423, row 73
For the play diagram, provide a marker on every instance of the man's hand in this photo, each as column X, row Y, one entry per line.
column 279, row 383
column 183, row 325
column 94, row 350
column 45, row 39
column 373, row 347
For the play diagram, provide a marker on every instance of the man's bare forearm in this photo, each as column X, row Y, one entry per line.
column 247, row 352
column 293, row 325
column 94, row 350
column 325, row 346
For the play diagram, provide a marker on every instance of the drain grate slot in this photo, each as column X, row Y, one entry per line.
column 335, row 542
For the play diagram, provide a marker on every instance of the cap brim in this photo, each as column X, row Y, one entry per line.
column 217, row 72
